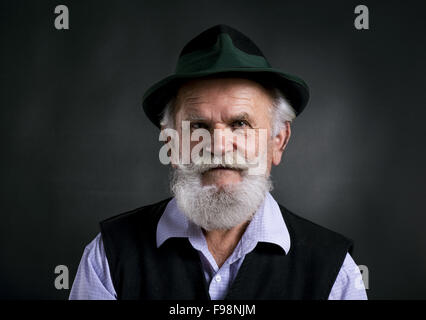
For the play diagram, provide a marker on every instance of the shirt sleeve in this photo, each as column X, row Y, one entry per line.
column 348, row 284
column 93, row 279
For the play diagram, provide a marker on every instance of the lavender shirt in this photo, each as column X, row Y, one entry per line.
column 93, row 280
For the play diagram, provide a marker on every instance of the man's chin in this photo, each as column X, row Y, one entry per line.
column 224, row 187
column 222, row 178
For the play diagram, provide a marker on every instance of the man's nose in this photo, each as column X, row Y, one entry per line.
column 222, row 142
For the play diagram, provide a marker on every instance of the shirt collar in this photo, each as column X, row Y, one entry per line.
column 267, row 225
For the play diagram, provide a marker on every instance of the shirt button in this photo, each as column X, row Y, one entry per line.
column 218, row 278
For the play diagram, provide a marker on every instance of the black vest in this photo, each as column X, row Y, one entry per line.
column 140, row 270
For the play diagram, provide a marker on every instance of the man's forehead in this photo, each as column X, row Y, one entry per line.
column 196, row 99
column 200, row 108
column 193, row 113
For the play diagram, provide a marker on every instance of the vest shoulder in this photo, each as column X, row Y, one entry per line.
column 310, row 232
column 132, row 217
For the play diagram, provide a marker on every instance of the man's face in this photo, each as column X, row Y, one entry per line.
column 231, row 106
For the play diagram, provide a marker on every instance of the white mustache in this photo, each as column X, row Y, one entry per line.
column 234, row 161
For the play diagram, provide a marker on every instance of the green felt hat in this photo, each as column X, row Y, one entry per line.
column 222, row 51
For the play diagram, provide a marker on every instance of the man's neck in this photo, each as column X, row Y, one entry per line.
column 221, row 243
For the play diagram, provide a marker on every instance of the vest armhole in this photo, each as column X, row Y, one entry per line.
column 113, row 235
column 342, row 244
column 110, row 258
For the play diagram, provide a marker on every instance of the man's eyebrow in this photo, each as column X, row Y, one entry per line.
column 240, row 116
column 196, row 117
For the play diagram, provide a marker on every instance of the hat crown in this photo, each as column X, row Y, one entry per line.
column 220, row 47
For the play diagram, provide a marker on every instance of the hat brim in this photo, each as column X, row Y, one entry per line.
column 157, row 96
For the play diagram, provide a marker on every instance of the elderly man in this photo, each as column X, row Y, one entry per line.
column 222, row 235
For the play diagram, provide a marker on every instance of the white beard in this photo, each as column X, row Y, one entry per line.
column 215, row 208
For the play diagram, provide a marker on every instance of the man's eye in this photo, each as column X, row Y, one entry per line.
column 198, row 125
column 240, row 124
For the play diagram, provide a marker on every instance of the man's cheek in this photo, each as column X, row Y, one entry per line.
column 256, row 144
column 245, row 144
column 251, row 152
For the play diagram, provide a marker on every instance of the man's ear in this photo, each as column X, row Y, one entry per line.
column 279, row 142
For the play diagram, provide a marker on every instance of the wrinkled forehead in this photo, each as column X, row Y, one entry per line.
column 229, row 91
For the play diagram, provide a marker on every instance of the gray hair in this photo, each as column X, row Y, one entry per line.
column 281, row 111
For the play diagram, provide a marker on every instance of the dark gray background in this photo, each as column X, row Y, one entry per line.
column 76, row 147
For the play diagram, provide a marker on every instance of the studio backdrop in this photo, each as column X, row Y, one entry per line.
column 77, row 147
